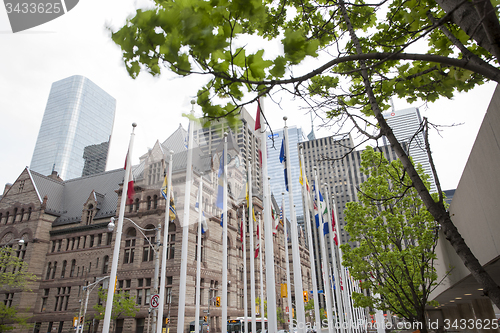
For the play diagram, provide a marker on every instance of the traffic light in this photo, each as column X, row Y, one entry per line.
column 205, row 319
column 217, row 301
column 167, row 320
column 306, row 296
column 81, row 320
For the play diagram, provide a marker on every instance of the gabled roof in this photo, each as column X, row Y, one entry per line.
column 66, row 199
column 177, row 141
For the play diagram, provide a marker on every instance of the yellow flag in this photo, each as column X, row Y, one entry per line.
column 301, row 179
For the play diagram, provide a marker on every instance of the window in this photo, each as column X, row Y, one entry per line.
column 63, row 269
column 49, row 268
column 60, row 329
column 147, row 250
column 128, row 257
column 45, row 296
column 73, row 265
column 155, row 201
column 99, row 240
column 168, row 291
column 137, row 205
column 171, row 241
column 8, row 299
column 29, row 214
column 109, row 238
column 92, row 238
column 202, row 248
column 59, row 245
column 54, row 270
column 143, row 291
column 149, row 203
column 89, row 214
column 62, row 298
column 105, row 264
column 15, row 216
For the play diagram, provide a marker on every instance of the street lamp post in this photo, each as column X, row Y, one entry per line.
column 155, row 248
column 79, row 328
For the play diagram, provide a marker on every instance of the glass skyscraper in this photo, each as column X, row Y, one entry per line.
column 275, row 169
column 76, row 129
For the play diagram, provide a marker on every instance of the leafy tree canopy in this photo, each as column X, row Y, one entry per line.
column 397, row 238
column 123, row 304
column 14, row 271
column 405, row 53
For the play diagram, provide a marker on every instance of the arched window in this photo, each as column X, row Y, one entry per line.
column 1, row 217
column 63, row 269
column 137, row 204
column 49, row 268
column 6, row 217
column 155, row 201
column 22, row 215
column 15, row 216
column 29, row 214
column 54, row 270
column 73, row 266
column 105, row 264
column 128, row 257
column 149, row 203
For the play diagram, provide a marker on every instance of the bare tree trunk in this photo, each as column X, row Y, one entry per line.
column 437, row 209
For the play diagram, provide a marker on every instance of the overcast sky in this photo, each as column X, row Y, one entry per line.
column 78, row 43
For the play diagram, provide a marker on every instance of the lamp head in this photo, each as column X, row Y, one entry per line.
column 111, row 224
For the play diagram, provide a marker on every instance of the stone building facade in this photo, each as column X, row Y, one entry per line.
column 68, row 245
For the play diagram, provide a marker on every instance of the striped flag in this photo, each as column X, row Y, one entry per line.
column 283, row 161
column 257, row 246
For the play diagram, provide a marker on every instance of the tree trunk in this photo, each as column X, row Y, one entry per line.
column 478, row 19
column 490, row 288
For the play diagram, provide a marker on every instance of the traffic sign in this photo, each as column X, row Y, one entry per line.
column 155, row 301
column 205, row 311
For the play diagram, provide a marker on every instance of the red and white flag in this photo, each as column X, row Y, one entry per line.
column 257, row 246
column 130, row 185
column 335, row 238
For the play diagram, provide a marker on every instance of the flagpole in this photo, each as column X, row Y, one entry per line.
column 310, row 240
column 268, row 232
column 185, row 230
column 224, row 242
column 118, row 239
column 252, row 250
column 297, row 274
column 245, row 286
column 198, row 257
column 287, row 262
column 261, row 279
column 321, row 236
column 164, row 248
column 335, row 272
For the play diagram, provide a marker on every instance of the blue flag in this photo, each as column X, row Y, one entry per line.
column 283, row 161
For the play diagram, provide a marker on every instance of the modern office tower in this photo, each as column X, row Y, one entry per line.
column 209, row 139
column 275, row 169
column 405, row 124
column 338, row 164
column 75, row 131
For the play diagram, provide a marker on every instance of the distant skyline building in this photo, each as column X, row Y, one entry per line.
column 339, row 165
column 405, row 124
column 76, row 129
column 275, row 169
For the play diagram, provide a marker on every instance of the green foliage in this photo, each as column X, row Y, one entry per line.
column 212, row 37
column 9, row 319
column 14, row 271
column 123, row 304
column 396, row 238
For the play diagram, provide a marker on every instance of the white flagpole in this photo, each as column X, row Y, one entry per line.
column 252, row 249
column 118, row 239
column 297, row 274
column 321, row 236
column 224, row 242
column 185, row 230
column 340, row 312
column 245, row 287
column 287, row 262
column 270, row 280
column 198, row 258
column 164, row 248
column 310, row 241
column 262, row 299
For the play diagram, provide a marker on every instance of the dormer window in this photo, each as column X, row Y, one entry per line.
column 89, row 214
